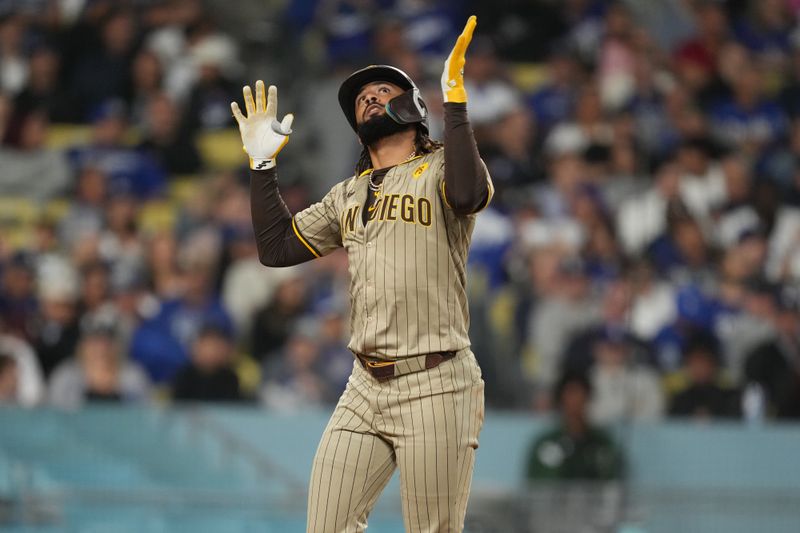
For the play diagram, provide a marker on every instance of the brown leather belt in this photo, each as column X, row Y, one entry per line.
column 386, row 370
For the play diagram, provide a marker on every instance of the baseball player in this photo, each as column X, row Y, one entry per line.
column 414, row 400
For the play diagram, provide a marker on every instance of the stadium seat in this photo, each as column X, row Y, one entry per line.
column 184, row 187
column 66, row 135
column 55, row 210
column 157, row 216
column 528, row 76
column 221, row 149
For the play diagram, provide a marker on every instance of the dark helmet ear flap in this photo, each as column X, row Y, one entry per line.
column 408, row 108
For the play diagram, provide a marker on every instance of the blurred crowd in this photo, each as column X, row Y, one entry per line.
column 644, row 238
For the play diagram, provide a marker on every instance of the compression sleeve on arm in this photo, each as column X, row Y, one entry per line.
column 278, row 243
column 467, row 187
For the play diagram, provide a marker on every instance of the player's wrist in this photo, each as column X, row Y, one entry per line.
column 457, row 95
column 257, row 163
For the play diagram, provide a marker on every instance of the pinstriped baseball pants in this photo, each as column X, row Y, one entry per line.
column 426, row 424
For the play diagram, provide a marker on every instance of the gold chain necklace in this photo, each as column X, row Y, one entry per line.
column 376, row 187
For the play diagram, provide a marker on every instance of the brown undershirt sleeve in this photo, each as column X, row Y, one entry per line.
column 465, row 178
column 277, row 242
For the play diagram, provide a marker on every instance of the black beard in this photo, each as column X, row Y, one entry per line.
column 379, row 127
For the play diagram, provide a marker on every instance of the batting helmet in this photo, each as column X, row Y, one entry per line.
column 407, row 108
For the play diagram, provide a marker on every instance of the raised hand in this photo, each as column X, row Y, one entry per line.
column 453, row 75
column 262, row 135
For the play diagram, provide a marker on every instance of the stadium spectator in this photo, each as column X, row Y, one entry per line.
column 95, row 291
column 702, row 183
column 748, row 120
column 694, row 309
column 273, row 323
column 247, row 286
column 293, row 379
column 615, row 60
column 511, row 157
column 642, row 217
column 42, row 91
column 773, row 363
column 14, row 66
column 146, row 84
column 56, row 331
column 209, row 376
column 683, row 252
column 527, row 31
column 132, row 302
column 23, row 382
column 166, row 137
column 575, row 449
column 99, row 372
column 335, row 360
column 215, row 84
column 589, row 126
column 8, row 380
column 704, row 393
column 653, row 304
column 18, row 304
column 624, row 388
column 695, row 59
column 6, row 111
column 744, row 317
column 429, row 27
column 165, row 277
column 84, row 217
column 104, row 73
column 120, row 244
column 766, row 30
column 789, row 95
column 565, row 307
column 783, row 261
column 128, row 171
column 491, row 95
column 613, row 322
column 30, row 169
column 568, row 174
column 162, row 342
column 344, row 26
column 554, row 101
column 125, row 305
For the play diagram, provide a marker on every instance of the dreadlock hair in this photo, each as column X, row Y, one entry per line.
column 423, row 144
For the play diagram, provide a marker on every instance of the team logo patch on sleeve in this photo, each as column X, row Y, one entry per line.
column 419, row 170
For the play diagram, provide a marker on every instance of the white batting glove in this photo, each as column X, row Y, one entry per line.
column 262, row 135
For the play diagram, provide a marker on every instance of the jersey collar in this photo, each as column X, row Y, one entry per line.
column 366, row 172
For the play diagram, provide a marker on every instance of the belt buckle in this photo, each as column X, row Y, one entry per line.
column 378, row 364
column 380, row 370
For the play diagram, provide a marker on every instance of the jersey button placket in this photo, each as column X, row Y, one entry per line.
column 368, row 296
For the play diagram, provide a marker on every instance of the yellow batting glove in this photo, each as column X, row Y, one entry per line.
column 453, row 75
column 262, row 135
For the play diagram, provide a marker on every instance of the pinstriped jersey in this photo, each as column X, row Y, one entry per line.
column 407, row 264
